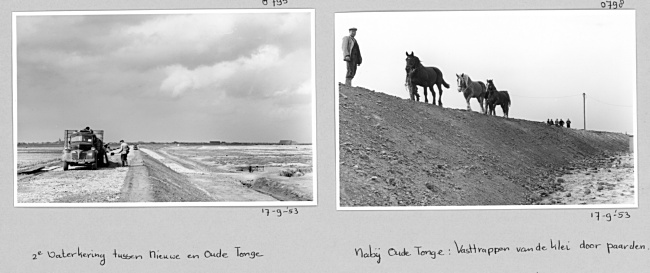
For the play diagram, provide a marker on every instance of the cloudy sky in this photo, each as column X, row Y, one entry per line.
column 196, row 76
column 545, row 59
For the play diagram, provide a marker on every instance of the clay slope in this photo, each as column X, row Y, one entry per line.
column 396, row 152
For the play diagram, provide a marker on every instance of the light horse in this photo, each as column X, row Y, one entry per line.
column 471, row 89
column 423, row 76
column 495, row 98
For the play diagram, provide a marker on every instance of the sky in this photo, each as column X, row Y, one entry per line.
column 193, row 76
column 545, row 60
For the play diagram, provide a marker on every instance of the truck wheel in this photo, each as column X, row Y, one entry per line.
column 65, row 166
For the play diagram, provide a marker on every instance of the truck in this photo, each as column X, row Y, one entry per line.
column 84, row 148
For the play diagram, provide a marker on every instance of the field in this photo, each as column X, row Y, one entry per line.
column 31, row 157
column 284, row 172
column 171, row 173
column 228, row 157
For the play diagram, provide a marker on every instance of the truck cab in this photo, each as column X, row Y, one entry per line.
column 84, row 147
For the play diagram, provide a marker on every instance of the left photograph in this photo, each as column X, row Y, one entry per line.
column 164, row 108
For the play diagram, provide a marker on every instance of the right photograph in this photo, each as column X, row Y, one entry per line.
column 527, row 109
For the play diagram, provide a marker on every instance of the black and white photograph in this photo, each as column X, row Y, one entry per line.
column 164, row 108
column 486, row 109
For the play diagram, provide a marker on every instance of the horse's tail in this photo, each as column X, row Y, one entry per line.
column 507, row 97
column 441, row 79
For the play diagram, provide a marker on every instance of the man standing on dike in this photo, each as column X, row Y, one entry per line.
column 351, row 55
column 124, row 151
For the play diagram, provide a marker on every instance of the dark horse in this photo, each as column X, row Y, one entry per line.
column 494, row 98
column 423, row 76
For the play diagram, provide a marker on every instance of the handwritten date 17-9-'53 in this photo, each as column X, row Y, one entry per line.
column 275, row 3
column 612, row 4
column 609, row 216
column 280, row 212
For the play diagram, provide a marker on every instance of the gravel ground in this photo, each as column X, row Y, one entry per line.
column 77, row 185
column 611, row 184
column 396, row 152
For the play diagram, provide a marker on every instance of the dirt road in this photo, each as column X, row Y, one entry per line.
column 136, row 186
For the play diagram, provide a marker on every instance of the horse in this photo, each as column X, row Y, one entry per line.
column 471, row 89
column 426, row 77
column 495, row 98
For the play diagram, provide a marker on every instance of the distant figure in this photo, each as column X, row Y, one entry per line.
column 250, row 168
column 557, row 123
column 568, row 123
column 549, row 122
column 561, row 123
column 87, row 129
column 351, row 55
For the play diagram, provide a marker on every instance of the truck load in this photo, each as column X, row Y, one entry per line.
column 84, row 148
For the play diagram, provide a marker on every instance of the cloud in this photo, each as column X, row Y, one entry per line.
column 181, row 79
column 182, row 69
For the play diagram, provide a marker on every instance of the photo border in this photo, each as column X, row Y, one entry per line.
column 485, row 207
column 230, row 204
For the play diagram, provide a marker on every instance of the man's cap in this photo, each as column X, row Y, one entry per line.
column 353, row 28
column 121, row 140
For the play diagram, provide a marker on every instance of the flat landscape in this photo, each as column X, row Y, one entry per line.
column 172, row 173
column 35, row 156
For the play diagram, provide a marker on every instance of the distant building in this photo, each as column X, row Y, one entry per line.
column 215, row 142
column 288, row 142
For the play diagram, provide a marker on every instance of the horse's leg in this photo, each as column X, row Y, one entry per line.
column 439, row 95
column 504, row 107
column 433, row 94
column 414, row 92
column 480, row 102
column 467, row 98
column 426, row 98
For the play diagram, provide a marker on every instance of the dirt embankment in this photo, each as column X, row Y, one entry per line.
column 396, row 152
column 167, row 185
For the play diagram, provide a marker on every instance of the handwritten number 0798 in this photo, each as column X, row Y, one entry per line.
column 612, row 4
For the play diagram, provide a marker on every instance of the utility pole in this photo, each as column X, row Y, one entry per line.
column 584, row 112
